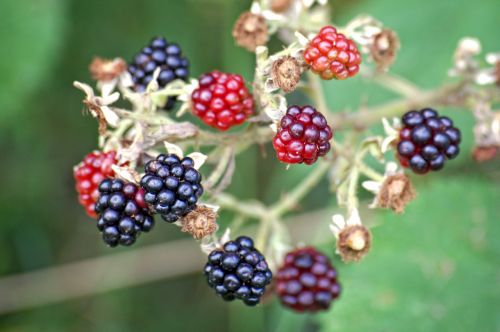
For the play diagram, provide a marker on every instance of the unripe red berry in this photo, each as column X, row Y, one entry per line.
column 95, row 167
column 332, row 55
column 303, row 136
column 222, row 100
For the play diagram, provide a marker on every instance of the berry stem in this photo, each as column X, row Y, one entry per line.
column 316, row 92
column 398, row 85
column 300, row 191
column 370, row 172
column 365, row 118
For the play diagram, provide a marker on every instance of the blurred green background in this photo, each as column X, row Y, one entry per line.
column 436, row 268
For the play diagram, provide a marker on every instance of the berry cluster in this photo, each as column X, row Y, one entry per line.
column 427, row 141
column 307, row 281
column 238, row 271
column 95, row 167
column 172, row 186
column 303, row 136
column 122, row 212
column 222, row 100
column 332, row 55
column 159, row 54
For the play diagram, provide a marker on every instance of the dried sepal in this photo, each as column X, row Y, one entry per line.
column 98, row 106
column 126, row 173
column 198, row 158
column 250, row 31
column 200, row 222
column 174, row 149
column 106, row 70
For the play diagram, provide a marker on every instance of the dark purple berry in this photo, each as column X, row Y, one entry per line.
column 159, row 54
column 121, row 212
column 172, row 186
column 238, row 271
column 427, row 141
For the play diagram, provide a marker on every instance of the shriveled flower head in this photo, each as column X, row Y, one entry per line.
column 105, row 69
column 384, row 48
column 200, row 223
column 286, row 73
column 250, row 31
column 394, row 191
column 353, row 239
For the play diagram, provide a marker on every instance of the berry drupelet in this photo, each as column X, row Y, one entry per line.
column 159, row 54
column 172, row 186
column 303, row 136
column 427, row 140
column 95, row 167
column 238, row 271
column 332, row 55
column 222, row 100
column 122, row 212
column 307, row 281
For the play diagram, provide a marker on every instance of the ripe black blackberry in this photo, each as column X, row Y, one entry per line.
column 122, row 212
column 159, row 54
column 307, row 281
column 172, row 186
column 427, row 140
column 238, row 271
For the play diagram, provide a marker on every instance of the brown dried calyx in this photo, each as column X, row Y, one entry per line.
column 280, row 6
column 485, row 153
column 105, row 69
column 354, row 242
column 250, row 31
column 286, row 73
column 200, row 222
column 384, row 48
column 396, row 192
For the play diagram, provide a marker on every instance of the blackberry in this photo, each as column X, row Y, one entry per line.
column 303, row 136
column 159, row 54
column 332, row 55
column 122, row 212
column 95, row 167
column 307, row 281
column 172, row 186
column 238, row 271
column 427, row 141
column 222, row 100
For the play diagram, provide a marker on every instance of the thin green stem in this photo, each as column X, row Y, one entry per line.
column 301, row 190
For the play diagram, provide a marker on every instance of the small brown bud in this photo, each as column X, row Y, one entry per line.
column 485, row 153
column 280, row 6
column 286, row 73
column 106, row 70
column 354, row 242
column 396, row 192
column 200, row 222
column 384, row 48
column 250, row 31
